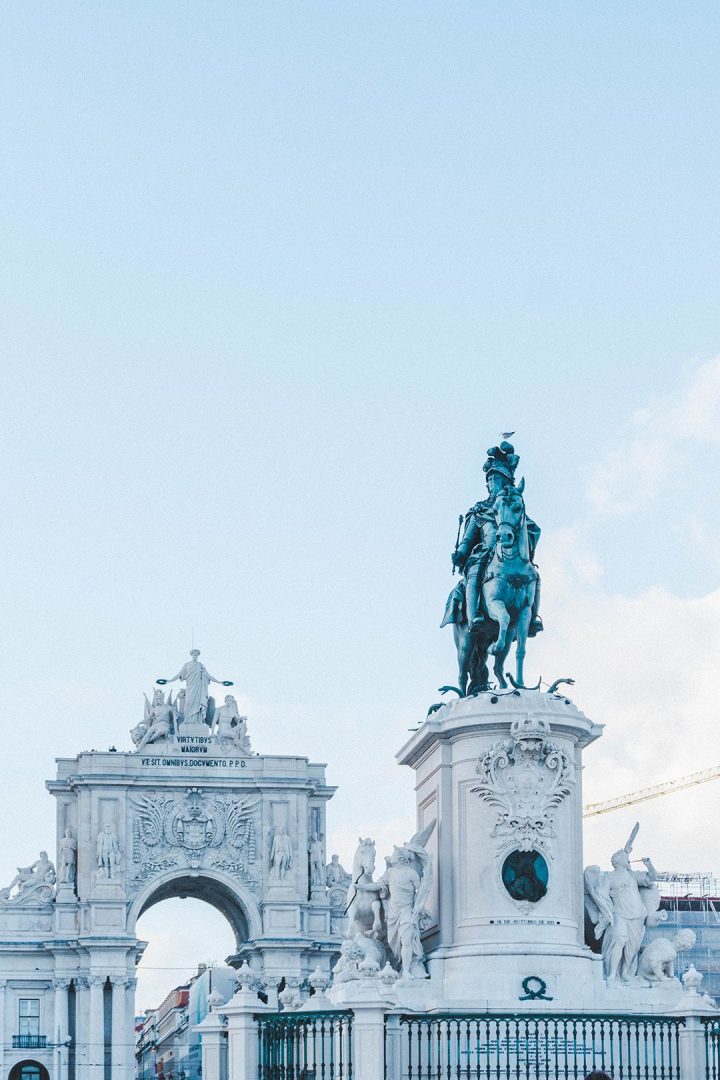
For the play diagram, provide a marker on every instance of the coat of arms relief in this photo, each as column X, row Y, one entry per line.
column 526, row 777
column 195, row 830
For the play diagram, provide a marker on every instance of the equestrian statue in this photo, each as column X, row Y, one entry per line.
column 496, row 601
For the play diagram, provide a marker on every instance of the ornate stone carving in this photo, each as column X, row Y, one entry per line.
column 290, row 997
column 406, row 886
column 194, row 830
column 230, row 729
column 657, row 958
column 32, row 885
column 526, row 777
column 386, row 917
column 158, row 722
column 337, row 881
column 620, row 903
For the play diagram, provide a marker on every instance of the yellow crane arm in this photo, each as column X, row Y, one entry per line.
column 591, row 809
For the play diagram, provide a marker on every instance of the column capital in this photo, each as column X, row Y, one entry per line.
column 119, row 980
column 97, row 980
column 131, row 983
column 61, row 983
column 3, row 984
column 81, row 982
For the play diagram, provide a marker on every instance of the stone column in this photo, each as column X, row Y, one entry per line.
column 82, row 1028
column 60, row 1027
column 96, row 1034
column 119, row 1032
column 130, row 985
column 213, row 1042
column 242, row 1053
column 368, row 1041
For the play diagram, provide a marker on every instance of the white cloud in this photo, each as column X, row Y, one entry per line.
column 645, row 666
column 659, row 439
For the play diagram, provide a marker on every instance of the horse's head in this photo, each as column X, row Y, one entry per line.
column 364, row 861
column 509, row 510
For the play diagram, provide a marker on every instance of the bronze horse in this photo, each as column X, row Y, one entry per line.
column 508, row 594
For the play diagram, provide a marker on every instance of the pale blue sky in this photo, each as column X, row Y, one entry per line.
column 274, row 277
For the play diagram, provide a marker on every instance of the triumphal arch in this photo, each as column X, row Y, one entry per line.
column 191, row 810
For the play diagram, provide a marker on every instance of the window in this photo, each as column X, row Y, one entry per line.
column 29, row 1016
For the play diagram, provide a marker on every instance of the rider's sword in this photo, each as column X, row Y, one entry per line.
column 457, row 542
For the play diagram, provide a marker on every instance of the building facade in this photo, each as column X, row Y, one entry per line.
column 168, row 1044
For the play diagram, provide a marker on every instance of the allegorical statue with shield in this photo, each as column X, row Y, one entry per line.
column 497, row 599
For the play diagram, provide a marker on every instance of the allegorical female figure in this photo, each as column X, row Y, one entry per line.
column 68, row 858
column 197, row 679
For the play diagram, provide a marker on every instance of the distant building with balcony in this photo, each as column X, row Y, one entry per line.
column 168, row 1047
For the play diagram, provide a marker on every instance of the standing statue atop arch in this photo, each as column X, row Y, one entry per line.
column 196, row 678
column 497, row 599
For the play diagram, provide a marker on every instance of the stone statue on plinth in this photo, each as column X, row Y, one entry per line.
column 280, row 855
column 316, row 851
column 658, row 957
column 108, row 853
column 197, row 679
column 405, row 888
column 497, row 600
column 620, row 903
column 386, row 917
column 36, row 880
column 231, row 728
column 157, row 723
column 68, row 859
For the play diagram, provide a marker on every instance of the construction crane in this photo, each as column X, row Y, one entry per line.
column 592, row 809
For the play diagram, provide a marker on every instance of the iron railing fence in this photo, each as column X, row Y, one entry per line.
column 29, row 1042
column 539, row 1047
column 305, row 1046
column 712, row 1048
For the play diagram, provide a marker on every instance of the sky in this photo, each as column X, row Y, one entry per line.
column 274, row 277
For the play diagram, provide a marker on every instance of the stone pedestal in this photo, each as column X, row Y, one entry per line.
column 242, row 1037
column 214, row 1045
column 501, row 772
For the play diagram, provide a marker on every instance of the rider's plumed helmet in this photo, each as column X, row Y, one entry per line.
column 502, row 461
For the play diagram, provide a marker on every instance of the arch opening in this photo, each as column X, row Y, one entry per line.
column 211, row 891
column 28, row 1070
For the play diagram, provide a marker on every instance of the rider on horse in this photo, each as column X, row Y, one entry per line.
column 475, row 549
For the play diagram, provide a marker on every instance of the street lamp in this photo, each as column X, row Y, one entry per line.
column 59, row 1045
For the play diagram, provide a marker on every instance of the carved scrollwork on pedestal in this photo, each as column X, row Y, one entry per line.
column 525, row 777
column 195, row 830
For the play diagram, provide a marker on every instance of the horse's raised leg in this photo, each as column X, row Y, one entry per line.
column 523, row 625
